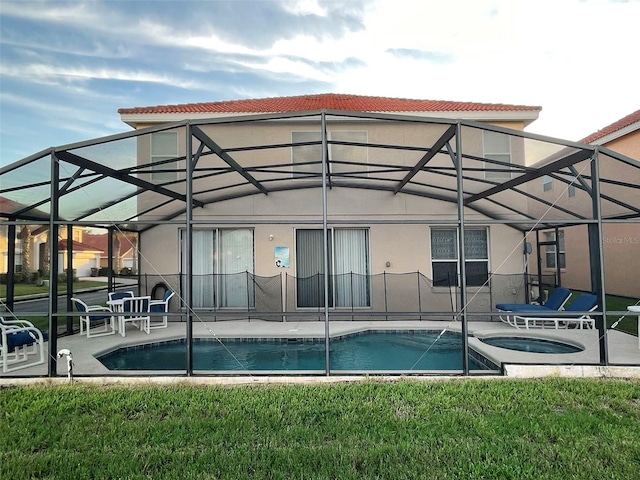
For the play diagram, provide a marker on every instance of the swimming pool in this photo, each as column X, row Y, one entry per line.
column 531, row 345
column 367, row 351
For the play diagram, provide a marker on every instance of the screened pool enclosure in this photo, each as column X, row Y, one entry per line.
column 310, row 228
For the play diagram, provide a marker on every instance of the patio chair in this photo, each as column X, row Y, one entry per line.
column 120, row 295
column 585, row 302
column 19, row 341
column 161, row 306
column 93, row 315
column 136, row 311
column 555, row 302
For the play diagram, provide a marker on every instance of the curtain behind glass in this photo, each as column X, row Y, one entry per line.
column 236, row 268
column 351, row 267
column 310, row 268
column 202, row 284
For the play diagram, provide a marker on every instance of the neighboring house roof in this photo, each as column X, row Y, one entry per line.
column 76, row 246
column 617, row 129
column 332, row 101
column 100, row 242
column 9, row 207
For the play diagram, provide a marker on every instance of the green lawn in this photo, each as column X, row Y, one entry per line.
column 629, row 323
column 460, row 429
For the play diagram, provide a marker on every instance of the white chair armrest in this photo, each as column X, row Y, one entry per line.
column 98, row 308
column 17, row 323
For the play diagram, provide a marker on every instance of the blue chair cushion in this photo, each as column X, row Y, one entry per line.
column 584, row 303
column 522, row 307
column 19, row 339
column 157, row 308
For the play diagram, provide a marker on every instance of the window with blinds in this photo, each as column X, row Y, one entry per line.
column 444, row 257
column 348, row 251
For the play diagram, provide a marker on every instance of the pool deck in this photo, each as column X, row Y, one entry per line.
column 624, row 354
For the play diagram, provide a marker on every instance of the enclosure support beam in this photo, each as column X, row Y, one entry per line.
column 124, row 177
column 190, row 164
column 53, row 266
column 461, row 255
column 204, row 138
column 69, row 278
column 11, row 265
column 110, row 259
column 596, row 260
column 325, row 244
column 440, row 143
column 548, row 169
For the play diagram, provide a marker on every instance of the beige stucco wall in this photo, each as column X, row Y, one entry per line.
column 399, row 225
column 620, row 241
column 394, row 247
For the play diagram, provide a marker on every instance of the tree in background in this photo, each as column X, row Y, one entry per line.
column 25, row 246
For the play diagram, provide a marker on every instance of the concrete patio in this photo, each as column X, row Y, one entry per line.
column 624, row 354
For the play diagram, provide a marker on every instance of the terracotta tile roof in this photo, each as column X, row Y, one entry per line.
column 614, row 127
column 330, row 101
column 100, row 242
column 8, row 205
column 76, row 246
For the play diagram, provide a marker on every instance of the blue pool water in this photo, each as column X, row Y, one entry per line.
column 533, row 345
column 371, row 351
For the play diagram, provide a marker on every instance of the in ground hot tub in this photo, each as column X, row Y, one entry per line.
column 531, row 345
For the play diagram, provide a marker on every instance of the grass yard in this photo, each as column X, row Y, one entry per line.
column 459, row 429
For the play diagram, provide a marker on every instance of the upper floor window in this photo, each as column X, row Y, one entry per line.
column 497, row 146
column 444, row 257
column 308, row 158
column 164, row 146
column 547, row 183
column 550, row 250
column 571, row 189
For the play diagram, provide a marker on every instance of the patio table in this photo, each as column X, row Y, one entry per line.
column 116, row 306
column 636, row 309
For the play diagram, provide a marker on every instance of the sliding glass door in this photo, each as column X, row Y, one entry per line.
column 223, row 263
column 348, row 268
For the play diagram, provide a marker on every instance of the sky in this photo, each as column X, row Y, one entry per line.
column 67, row 66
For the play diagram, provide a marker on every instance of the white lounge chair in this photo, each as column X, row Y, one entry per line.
column 556, row 302
column 585, row 302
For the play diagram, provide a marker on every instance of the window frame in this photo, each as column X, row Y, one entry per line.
column 217, row 264
column 456, row 261
column 489, row 153
column 333, row 286
column 550, row 251
column 160, row 176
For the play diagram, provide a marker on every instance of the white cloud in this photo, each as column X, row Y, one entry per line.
column 55, row 75
column 575, row 58
column 304, row 7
